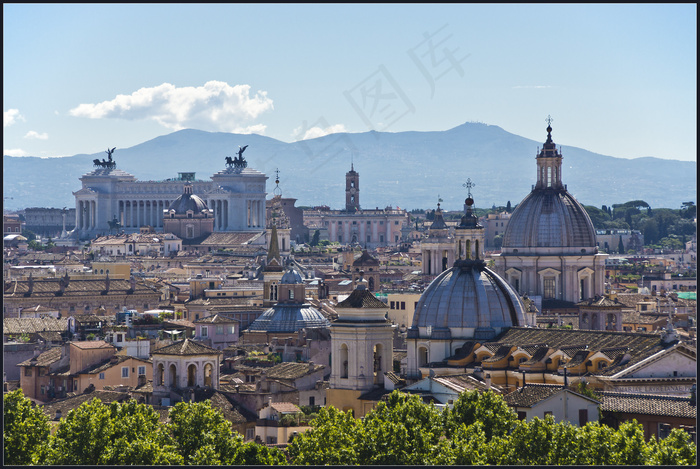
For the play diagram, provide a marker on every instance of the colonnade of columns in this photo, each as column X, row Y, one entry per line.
column 136, row 213
column 220, row 208
column 86, row 215
column 255, row 213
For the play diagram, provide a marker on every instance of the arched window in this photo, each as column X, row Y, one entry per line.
column 422, row 356
column 208, row 374
column 378, row 351
column 191, row 375
column 160, row 372
column 173, row 375
column 344, row 361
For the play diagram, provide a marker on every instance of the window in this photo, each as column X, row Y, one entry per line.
column 582, row 417
column 233, row 329
column 102, row 375
column 219, row 329
column 549, row 287
column 204, row 331
column 125, row 371
column 521, row 415
column 391, row 305
column 43, row 389
column 403, row 305
column 27, row 371
column 249, row 433
column 312, row 400
column 291, row 294
column 142, row 370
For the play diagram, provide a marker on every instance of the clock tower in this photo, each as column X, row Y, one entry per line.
column 352, row 190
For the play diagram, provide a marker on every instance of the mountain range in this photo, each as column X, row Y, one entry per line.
column 404, row 169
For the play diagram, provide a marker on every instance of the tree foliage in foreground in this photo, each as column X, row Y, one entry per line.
column 127, row 434
column 480, row 429
column 25, row 428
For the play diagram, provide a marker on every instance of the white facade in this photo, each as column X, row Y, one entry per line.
column 236, row 196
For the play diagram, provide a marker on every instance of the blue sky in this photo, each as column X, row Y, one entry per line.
column 619, row 80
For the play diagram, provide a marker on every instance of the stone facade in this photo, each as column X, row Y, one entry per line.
column 236, row 196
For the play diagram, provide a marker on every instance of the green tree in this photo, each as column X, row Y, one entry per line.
column 487, row 407
column 116, row 434
column 676, row 449
column 332, row 440
column 620, row 246
column 402, row 431
column 316, row 238
column 25, row 428
column 203, row 436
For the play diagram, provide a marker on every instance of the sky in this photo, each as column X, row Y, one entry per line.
column 619, row 80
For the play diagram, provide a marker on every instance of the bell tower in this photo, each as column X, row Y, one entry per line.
column 352, row 190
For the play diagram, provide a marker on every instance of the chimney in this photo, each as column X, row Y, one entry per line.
column 487, row 381
column 141, row 380
column 132, row 283
column 58, row 414
column 312, row 366
column 566, row 378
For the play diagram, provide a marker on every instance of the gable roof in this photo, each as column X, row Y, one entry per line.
column 532, row 394
column 362, row 299
column 33, row 325
column 186, row 347
column 289, row 370
column 647, row 404
column 45, row 358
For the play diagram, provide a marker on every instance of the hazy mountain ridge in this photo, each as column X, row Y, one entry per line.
column 406, row 169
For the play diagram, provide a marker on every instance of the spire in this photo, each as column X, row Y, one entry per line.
column 274, row 251
column 549, row 163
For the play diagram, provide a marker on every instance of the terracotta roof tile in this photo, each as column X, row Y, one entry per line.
column 285, row 407
column 648, row 404
column 33, row 325
column 186, row 347
column 45, row 358
column 531, row 394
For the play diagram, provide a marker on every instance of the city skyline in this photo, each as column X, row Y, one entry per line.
column 620, row 81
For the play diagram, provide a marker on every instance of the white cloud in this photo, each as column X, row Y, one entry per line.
column 11, row 116
column 315, row 132
column 14, row 152
column 37, row 135
column 214, row 106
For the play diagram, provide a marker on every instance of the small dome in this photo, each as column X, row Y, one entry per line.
column 549, row 218
column 188, row 201
column 467, row 301
column 289, row 318
column 291, row 277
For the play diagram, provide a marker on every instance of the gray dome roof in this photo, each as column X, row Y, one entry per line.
column 549, row 218
column 289, row 318
column 467, row 301
column 291, row 277
column 188, row 201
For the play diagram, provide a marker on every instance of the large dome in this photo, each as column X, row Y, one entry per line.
column 467, row 301
column 549, row 218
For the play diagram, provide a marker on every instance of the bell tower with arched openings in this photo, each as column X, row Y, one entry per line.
column 352, row 190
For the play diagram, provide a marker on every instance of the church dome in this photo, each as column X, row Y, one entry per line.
column 467, row 301
column 291, row 277
column 549, row 217
column 289, row 318
column 188, row 201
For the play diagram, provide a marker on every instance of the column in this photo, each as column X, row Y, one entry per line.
column 225, row 215
column 389, row 239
